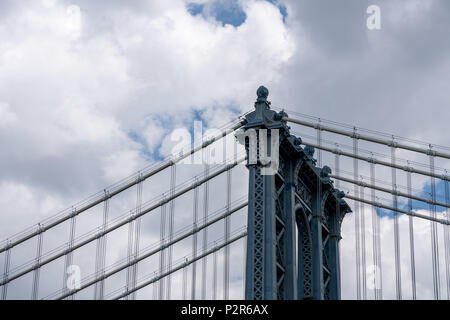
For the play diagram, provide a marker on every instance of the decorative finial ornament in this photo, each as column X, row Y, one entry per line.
column 340, row 194
column 309, row 151
column 262, row 94
column 326, row 170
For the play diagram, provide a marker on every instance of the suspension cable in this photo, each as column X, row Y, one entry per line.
column 383, row 206
column 101, row 252
column 184, row 288
column 205, row 231
column 162, row 245
column 391, row 191
column 162, row 255
column 185, row 264
column 113, row 190
column 194, row 241
column 434, row 239
column 35, row 288
column 226, row 276
column 376, row 161
column 155, row 289
column 173, row 173
column 69, row 256
column 137, row 235
column 379, row 133
column 319, row 151
column 375, row 241
column 131, row 227
column 357, row 226
column 6, row 273
column 447, row 240
column 363, row 247
column 244, row 267
column 309, row 138
column 398, row 274
column 337, row 166
column 89, row 237
column 350, row 134
column 411, row 239
column 214, row 284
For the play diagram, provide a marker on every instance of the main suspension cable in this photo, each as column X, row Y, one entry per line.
column 162, row 245
column 113, row 190
column 351, row 134
column 376, row 161
column 119, row 222
column 183, row 265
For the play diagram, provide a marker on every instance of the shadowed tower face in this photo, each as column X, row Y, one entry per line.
column 294, row 213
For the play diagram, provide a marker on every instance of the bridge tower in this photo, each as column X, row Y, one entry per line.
column 294, row 213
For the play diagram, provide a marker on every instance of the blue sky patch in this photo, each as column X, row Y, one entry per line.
column 227, row 12
column 149, row 155
column 281, row 7
column 194, row 8
column 419, row 205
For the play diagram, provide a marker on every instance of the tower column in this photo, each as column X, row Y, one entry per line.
column 287, row 190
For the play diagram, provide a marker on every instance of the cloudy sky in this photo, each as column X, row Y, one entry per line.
column 90, row 92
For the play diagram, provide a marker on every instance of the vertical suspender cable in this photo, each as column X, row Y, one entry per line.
column 447, row 239
column 319, row 143
column 226, row 276
column 398, row 277
column 104, row 239
column 434, row 239
column 411, row 239
column 214, row 287
column 380, row 266
column 380, row 263
column 336, row 166
column 162, row 253
column 6, row 272
column 375, row 240
column 318, row 240
column 357, row 227
column 69, row 256
column 194, row 241
column 363, row 246
column 184, row 288
column 35, row 288
column 133, row 241
column 205, row 219
column 244, row 264
column 101, row 252
column 173, row 175
column 155, row 288
column 137, row 235
column 97, row 268
column 130, row 252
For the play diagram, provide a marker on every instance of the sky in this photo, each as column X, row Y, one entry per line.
column 91, row 91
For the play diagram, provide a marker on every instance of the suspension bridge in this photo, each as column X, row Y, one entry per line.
column 342, row 215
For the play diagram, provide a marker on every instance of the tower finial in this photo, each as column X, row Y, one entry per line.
column 262, row 94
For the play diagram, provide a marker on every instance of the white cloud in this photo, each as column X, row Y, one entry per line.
column 77, row 79
column 7, row 116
